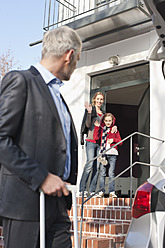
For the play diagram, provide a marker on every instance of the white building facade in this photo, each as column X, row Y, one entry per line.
column 117, row 39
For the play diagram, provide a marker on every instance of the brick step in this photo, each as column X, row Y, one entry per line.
column 102, row 229
column 105, row 221
column 100, row 242
column 107, row 215
column 95, row 242
column 104, row 209
column 105, row 202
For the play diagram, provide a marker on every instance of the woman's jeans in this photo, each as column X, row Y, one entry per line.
column 111, row 173
column 92, row 150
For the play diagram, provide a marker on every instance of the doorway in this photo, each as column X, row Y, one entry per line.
column 127, row 96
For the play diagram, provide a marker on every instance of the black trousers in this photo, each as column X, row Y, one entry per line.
column 25, row 234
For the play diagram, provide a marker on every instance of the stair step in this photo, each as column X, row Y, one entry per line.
column 100, row 242
column 105, row 221
column 104, row 209
column 106, row 202
column 95, row 242
column 100, row 229
column 107, row 215
column 113, row 234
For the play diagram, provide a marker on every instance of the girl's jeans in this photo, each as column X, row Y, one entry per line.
column 111, row 173
column 92, row 150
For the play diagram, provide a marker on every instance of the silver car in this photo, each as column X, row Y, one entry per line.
column 147, row 228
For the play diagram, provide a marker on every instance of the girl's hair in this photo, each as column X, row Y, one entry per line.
column 94, row 97
column 109, row 114
column 102, row 123
column 59, row 40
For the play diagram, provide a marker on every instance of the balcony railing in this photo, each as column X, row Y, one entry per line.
column 98, row 22
column 62, row 12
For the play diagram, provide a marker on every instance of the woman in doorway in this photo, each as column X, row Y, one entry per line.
column 92, row 113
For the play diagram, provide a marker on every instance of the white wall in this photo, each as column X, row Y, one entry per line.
column 75, row 93
column 122, row 48
column 157, row 113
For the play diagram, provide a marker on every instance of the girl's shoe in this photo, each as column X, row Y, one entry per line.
column 101, row 194
column 85, row 194
column 94, row 195
column 112, row 194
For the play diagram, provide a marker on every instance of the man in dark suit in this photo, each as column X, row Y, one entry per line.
column 38, row 145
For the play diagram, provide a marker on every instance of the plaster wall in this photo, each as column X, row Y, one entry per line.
column 157, row 117
column 122, row 48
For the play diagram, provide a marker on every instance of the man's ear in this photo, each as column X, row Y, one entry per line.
column 69, row 55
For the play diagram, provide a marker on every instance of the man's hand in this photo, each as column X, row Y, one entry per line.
column 53, row 185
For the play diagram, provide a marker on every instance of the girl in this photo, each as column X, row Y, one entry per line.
column 109, row 138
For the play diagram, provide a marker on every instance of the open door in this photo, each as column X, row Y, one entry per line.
column 143, row 151
column 127, row 97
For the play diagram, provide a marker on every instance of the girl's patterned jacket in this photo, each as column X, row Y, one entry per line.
column 115, row 136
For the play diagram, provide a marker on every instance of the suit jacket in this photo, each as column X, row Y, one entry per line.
column 32, row 143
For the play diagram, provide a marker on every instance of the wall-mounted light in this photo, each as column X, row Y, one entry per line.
column 114, row 60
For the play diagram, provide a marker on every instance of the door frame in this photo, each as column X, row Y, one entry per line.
column 118, row 86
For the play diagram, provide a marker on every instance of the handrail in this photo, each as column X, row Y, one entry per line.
column 129, row 136
column 128, row 168
column 121, row 173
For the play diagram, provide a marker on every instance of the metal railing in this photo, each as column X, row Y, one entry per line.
column 62, row 12
column 128, row 168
